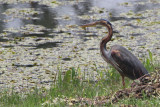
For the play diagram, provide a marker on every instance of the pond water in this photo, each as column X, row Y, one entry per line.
column 51, row 17
column 39, row 37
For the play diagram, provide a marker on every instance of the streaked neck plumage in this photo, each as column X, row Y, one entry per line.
column 104, row 41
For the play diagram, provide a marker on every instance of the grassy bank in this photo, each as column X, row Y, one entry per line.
column 73, row 89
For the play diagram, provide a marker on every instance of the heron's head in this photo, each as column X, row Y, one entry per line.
column 102, row 22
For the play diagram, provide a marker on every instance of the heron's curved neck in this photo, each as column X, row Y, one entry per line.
column 106, row 39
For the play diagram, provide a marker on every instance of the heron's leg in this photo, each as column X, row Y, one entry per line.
column 123, row 82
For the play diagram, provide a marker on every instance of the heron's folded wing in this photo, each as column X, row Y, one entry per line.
column 124, row 62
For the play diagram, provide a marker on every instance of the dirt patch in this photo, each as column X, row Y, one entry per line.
column 145, row 87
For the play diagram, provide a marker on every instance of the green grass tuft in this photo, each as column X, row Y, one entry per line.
column 75, row 85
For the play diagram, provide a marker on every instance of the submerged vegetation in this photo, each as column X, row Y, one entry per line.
column 76, row 89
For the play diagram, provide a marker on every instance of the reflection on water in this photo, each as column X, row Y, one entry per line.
column 82, row 8
column 3, row 40
column 67, row 59
column 141, row 7
column 51, row 18
column 48, row 45
column 137, row 34
column 123, row 18
column 131, row 25
column 18, row 65
column 43, row 33
column 46, row 19
column 42, row 45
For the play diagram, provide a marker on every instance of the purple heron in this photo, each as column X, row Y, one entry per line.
column 119, row 57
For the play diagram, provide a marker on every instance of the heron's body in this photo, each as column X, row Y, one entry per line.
column 128, row 65
column 119, row 57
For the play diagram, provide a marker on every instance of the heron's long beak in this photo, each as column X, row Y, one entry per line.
column 88, row 25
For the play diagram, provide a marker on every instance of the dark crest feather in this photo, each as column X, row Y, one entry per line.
column 106, row 21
